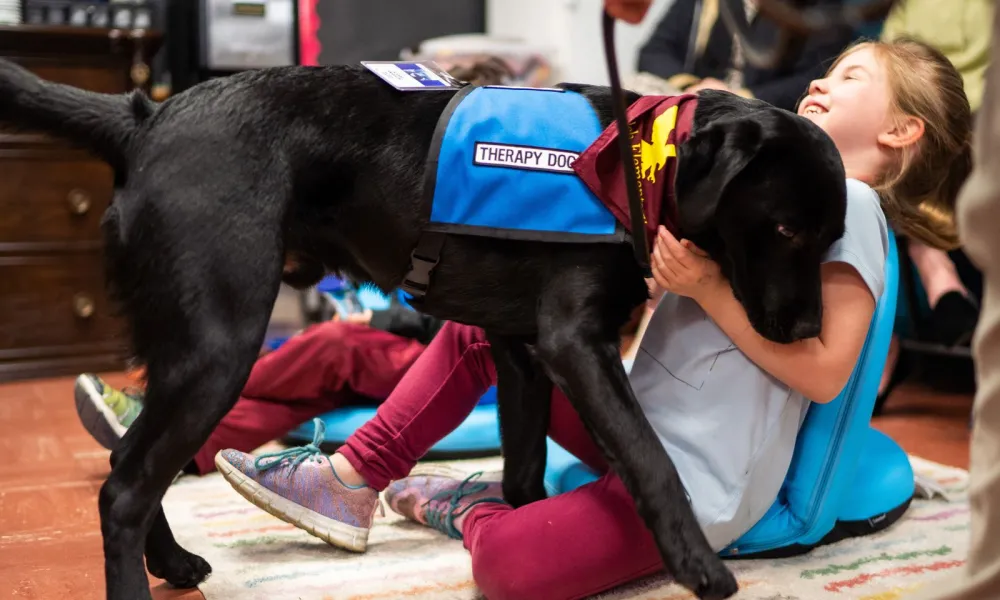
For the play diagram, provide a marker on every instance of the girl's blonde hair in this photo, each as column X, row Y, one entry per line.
column 919, row 191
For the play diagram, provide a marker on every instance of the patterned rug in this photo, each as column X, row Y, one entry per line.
column 256, row 556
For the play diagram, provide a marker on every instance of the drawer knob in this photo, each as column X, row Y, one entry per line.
column 139, row 74
column 79, row 202
column 83, row 306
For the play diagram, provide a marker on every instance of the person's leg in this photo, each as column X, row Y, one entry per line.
column 938, row 273
column 572, row 545
column 953, row 310
column 312, row 373
column 432, row 400
column 968, row 272
column 978, row 215
column 569, row 546
column 335, row 497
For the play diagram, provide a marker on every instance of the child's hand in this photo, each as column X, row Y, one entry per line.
column 655, row 293
column 361, row 318
column 683, row 268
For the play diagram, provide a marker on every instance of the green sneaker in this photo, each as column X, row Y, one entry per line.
column 106, row 413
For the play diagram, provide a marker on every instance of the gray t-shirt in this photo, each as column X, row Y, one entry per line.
column 728, row 425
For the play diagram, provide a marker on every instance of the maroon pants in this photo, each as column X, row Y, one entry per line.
column 569, row 546
column 326, row 366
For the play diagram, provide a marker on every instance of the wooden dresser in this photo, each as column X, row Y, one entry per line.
column 55, row 318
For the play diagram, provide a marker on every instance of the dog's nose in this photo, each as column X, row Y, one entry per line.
column 804, row 330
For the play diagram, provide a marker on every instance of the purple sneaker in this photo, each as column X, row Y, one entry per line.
column 300, row 487
column 440, row 501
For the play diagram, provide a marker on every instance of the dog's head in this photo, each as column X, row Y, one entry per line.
column 763, row 191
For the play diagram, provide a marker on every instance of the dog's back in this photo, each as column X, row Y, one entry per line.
column 304, row 145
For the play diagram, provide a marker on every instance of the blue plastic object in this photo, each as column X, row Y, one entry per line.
column 275, row 343
column 478, row 435
column 349, row 298
column 332, row 283
column 845, row 479
column 563, row 471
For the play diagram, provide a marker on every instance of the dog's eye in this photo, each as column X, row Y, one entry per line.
column 788, row 233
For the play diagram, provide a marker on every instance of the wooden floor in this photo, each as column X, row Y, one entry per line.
column 50, row 535
column 50, row 542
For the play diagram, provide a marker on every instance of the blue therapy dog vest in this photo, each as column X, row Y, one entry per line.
column 503, row 167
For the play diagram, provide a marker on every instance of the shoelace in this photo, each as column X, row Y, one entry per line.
column 443, row 518
column 298, row 454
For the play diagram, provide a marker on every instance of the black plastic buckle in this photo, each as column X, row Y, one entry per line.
column 423, row 259
column 418, row 279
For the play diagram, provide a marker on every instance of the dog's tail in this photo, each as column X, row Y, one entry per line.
column 105, row 124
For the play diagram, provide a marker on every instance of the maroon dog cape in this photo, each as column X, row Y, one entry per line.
column 658, row 125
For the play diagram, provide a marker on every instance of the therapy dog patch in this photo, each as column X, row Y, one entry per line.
column 504, row 167
column 524, row 157
column 534, row 164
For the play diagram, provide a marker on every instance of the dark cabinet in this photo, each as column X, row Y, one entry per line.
column 55, row 318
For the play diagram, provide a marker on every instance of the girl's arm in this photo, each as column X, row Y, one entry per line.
column 819, row 367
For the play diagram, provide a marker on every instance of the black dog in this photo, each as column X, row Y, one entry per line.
column 217, row 187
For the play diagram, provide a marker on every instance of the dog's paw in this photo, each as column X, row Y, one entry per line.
column 181, row 569
column 709, row 580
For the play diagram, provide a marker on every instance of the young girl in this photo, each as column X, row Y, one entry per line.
column 726, row 403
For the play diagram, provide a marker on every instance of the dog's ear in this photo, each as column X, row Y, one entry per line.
column 707, row 164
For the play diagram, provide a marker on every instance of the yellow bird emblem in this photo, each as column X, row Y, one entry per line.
column 654, row 153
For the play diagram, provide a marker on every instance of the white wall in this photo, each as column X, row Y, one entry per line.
column 572, row 29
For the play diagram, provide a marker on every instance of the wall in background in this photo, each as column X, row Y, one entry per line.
column 354, row 30
column 571, row 29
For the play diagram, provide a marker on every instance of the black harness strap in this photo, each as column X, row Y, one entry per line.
column 427, row 254
column 423, row 259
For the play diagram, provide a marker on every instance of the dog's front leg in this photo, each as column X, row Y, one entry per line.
column 524, row 394
column 578, row 343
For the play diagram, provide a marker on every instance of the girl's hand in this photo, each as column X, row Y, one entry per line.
column 362, row 318
column 683, row 268
column 655, row 293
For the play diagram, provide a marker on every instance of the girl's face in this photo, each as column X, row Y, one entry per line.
column 851, row 104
